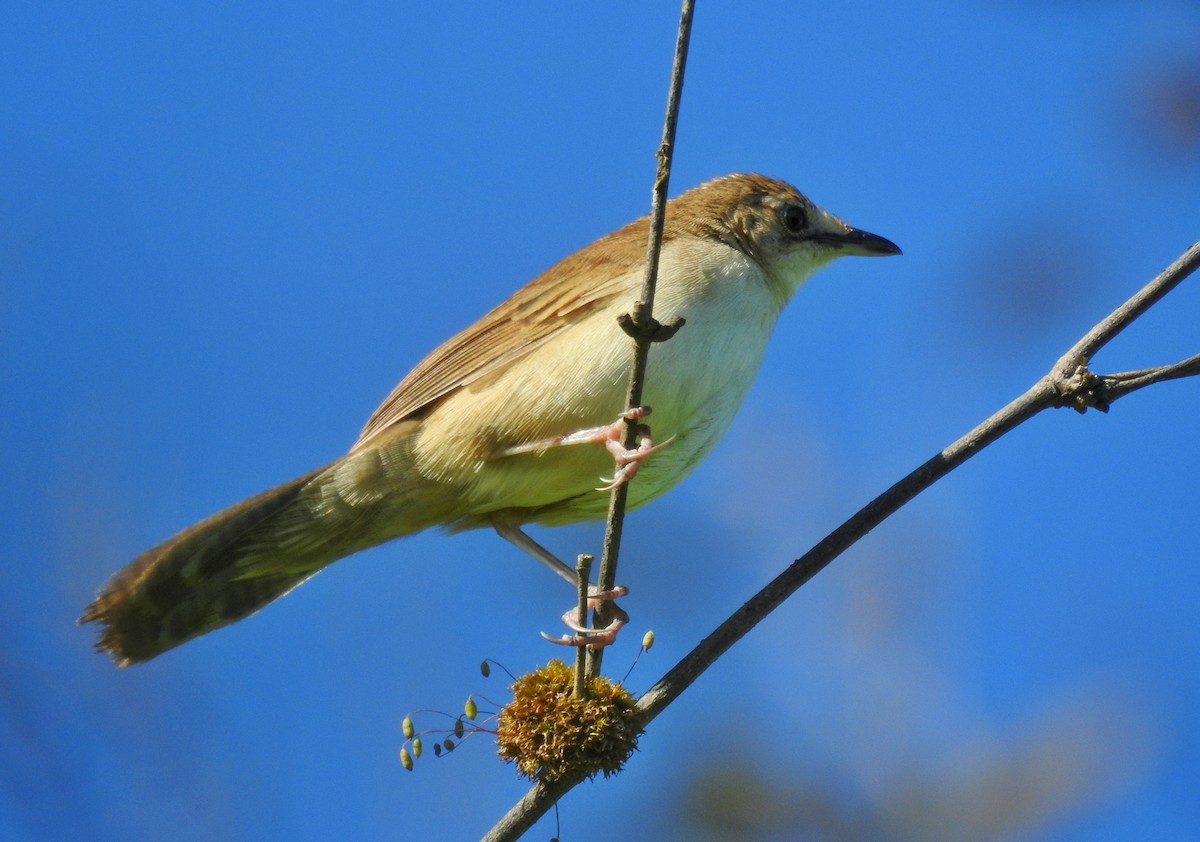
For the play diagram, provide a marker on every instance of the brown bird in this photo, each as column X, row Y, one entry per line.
column 495, row 427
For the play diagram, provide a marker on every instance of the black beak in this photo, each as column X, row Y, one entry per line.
column 859, row 242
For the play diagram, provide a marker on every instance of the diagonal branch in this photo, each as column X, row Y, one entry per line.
column 1053, row 390
column 1069, row 383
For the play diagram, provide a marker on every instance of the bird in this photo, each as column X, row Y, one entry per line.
column 510, row 421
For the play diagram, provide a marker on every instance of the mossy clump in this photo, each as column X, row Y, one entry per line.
column 551, row 734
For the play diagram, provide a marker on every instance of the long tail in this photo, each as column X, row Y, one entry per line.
column 235, row 562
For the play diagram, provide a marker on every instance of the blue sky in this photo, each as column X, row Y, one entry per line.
column 226, row 231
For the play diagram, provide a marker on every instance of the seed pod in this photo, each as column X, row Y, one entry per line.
column 407, row 727
column 406, row 759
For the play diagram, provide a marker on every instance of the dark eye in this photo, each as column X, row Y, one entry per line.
column 795, row 220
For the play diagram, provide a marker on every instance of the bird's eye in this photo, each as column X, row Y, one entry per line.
column 794, row 219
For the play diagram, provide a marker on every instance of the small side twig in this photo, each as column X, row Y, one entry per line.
column 1118, row 385
column 1078, row 388
column 583, row 575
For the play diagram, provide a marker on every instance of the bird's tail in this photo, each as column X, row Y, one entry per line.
column 238, row 560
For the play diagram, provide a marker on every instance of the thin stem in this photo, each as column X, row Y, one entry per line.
column 1119, row 385
column 642, row 327
column 583, row 575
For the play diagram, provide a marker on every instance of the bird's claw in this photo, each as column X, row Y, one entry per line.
column 612, row 436
column 593, row 639
column 628, row 459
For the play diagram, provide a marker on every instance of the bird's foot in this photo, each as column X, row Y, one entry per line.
column 612, row 436
column 594, row 639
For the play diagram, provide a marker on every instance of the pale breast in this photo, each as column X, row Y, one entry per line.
column 696, row 382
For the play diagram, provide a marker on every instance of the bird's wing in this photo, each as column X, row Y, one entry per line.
column 528, row 318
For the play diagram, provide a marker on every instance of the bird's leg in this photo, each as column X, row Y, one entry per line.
column 584, row 636
column 628, row 460
column 612, row 437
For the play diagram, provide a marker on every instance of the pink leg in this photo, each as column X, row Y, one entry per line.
column 595, row 638
column 612, row 437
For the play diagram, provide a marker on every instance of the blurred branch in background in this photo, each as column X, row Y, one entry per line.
column 992, row 786
column 1166, row 109
column 881, row 740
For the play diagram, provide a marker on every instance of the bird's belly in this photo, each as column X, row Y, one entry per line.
column 695, row 383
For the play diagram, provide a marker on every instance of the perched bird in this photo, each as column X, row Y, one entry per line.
column 496, row 426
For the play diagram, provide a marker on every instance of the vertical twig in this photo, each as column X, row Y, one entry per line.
column 641, row 325
column 583, row 574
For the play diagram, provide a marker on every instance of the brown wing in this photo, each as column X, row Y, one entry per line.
column 529, row 317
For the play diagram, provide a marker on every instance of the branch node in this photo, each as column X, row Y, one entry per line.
column 1080, row 389
column 652, row 331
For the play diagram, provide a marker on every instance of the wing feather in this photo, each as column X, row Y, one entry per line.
column 528, row 318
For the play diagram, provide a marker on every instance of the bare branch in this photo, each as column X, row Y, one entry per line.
column 583, row 575
column 1069, row 384
column 640, row 324
column 1119, row 385
column 1107, row 329
column 1078, row 389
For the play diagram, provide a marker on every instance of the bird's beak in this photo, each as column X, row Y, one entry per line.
column 854, row 241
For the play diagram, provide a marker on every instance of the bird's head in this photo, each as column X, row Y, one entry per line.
column 775, row 225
